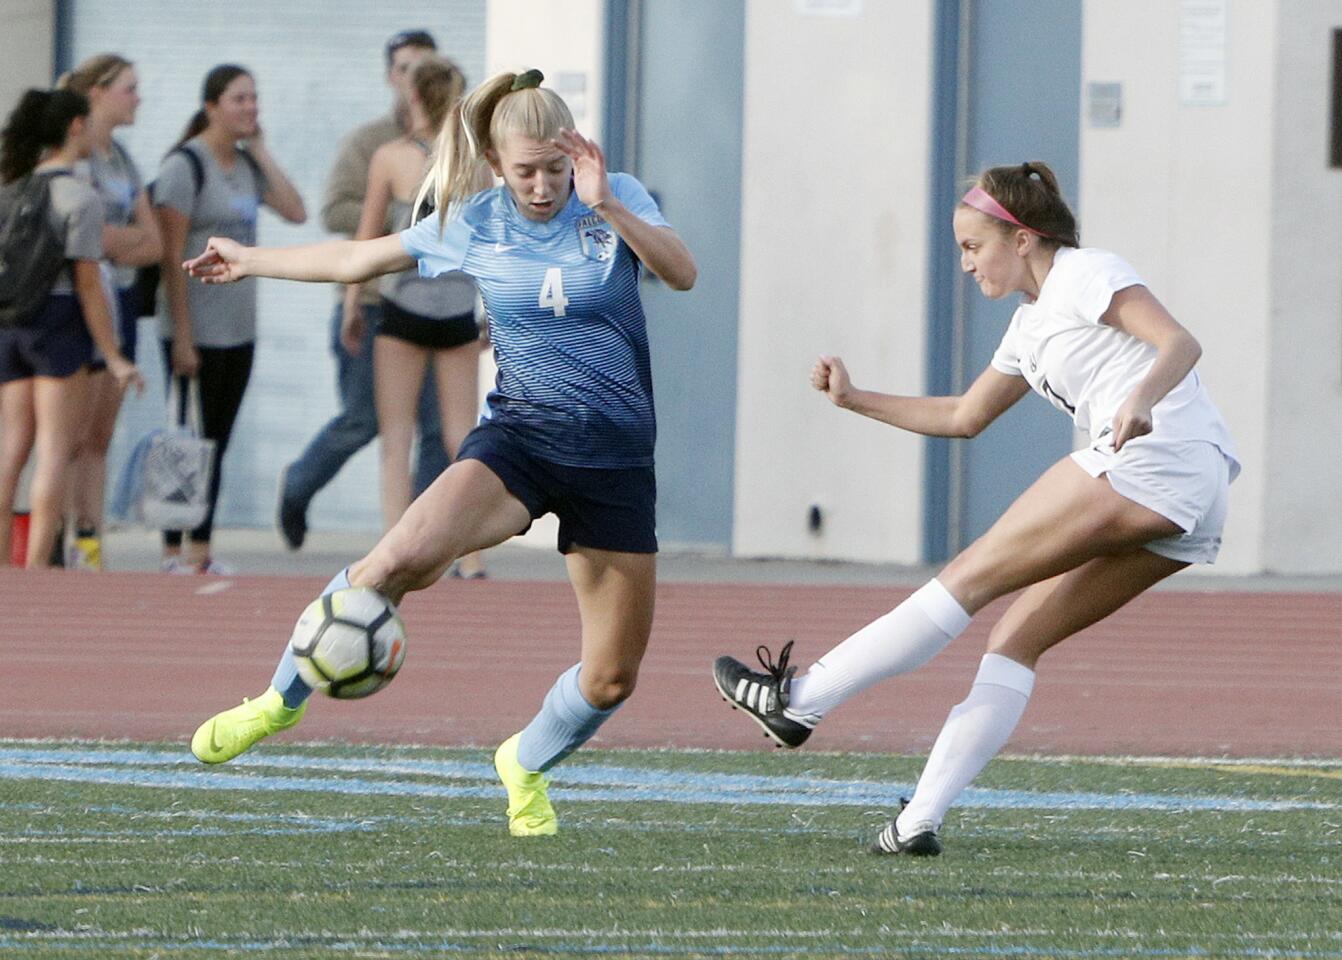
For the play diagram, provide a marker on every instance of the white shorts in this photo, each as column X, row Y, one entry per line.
column 1186, row 481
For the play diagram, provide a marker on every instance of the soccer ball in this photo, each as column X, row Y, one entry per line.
column 349, row 643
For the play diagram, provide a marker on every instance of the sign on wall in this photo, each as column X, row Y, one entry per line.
column 1202, row 52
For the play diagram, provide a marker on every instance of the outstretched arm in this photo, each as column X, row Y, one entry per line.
column 991, row 395
column 334, row 261
column 658, row 248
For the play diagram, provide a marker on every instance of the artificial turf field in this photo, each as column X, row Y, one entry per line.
column 135, row 850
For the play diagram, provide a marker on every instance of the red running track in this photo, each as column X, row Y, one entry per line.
column 147, row 656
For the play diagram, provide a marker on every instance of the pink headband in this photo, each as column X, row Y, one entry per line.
column 984, row 202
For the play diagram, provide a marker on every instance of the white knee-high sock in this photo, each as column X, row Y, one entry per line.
column 975, row 730
column 902, row 640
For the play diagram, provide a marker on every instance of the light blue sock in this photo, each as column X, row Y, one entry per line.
column 286, row 679
column 565, row 723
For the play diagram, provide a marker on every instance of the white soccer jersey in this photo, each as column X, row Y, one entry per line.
column 1088, row 368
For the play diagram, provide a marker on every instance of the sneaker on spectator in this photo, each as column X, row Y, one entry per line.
column 86, row 553
column 291, row 517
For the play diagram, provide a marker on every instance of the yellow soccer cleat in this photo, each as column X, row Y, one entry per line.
column 227, row 734
column 529, row 810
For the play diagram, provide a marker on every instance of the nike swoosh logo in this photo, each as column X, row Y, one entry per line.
column 214, row 740
column 504, row 247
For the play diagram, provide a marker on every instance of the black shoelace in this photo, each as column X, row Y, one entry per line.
column 776, row 670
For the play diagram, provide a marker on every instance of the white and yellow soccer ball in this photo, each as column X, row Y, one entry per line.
column 349, row 643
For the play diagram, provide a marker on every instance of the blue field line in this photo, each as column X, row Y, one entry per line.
column 580, row 783
column 655, row 948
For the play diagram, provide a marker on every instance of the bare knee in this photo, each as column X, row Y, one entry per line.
column 607, row 687
column 401, row 563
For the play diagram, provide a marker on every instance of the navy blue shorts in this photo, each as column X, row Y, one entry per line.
column 605, row 509
column 57, row 344
column 128, row 326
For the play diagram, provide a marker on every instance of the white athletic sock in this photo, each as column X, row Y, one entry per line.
column 902, row 640
column 975, row 730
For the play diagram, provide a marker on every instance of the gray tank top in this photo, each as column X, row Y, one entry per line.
column 437, row 298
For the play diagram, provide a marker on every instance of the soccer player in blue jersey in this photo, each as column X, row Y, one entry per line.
column 556, row 251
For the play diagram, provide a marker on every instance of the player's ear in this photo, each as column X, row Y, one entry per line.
column 492, row 157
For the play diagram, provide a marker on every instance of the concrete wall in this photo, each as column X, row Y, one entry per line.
column 1229, row 210
column 834, row 254
column 29, row 31
column 565, row 40
column 562, row 38
column 320, row 72
column 1302, row 468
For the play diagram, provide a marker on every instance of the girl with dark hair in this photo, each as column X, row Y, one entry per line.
column 1143, row 500
column 130, row 240
column 43, row 381
column 211, row 185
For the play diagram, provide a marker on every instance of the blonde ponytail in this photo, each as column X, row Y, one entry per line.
column 498, row 107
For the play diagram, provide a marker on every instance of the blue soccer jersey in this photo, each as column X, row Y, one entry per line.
column 570, row 340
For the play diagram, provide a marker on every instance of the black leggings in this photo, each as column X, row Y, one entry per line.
column 223, row 376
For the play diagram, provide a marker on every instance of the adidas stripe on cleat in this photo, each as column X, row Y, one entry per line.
column 922, row 842
column 764, row 696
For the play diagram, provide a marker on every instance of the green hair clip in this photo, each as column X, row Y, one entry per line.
column 526, row 81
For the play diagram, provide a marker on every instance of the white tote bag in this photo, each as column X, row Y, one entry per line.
column 177, row 465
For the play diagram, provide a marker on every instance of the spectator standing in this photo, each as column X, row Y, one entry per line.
column 210, row 186
column 427, row 325
column 130, row 239
column 43, row 361
column 350, row 430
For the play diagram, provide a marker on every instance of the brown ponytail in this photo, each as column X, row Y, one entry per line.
column 41, row 121
column 216, row 82
column 1031, row 193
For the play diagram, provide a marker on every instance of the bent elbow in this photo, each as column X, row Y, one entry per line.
column 1194, row 348
column 684, row 281
column 965, row 428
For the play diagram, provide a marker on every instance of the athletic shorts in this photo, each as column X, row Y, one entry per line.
column 1186, row 481
column 57, row 344
column 127, row 325
column 605, row 509
column 434, row 334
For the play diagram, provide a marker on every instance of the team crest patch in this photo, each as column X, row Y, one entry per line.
column 597, row 238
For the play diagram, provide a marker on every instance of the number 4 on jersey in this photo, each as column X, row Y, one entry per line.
column 552, row 292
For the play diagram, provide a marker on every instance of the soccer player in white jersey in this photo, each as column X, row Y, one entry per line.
column 556, row 251
column 1144, row 499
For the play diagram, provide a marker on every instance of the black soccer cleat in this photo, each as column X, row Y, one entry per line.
column 764, row 696
column 923, row 842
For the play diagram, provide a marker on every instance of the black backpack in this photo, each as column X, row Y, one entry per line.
column 32, row 249
column 147, row 278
